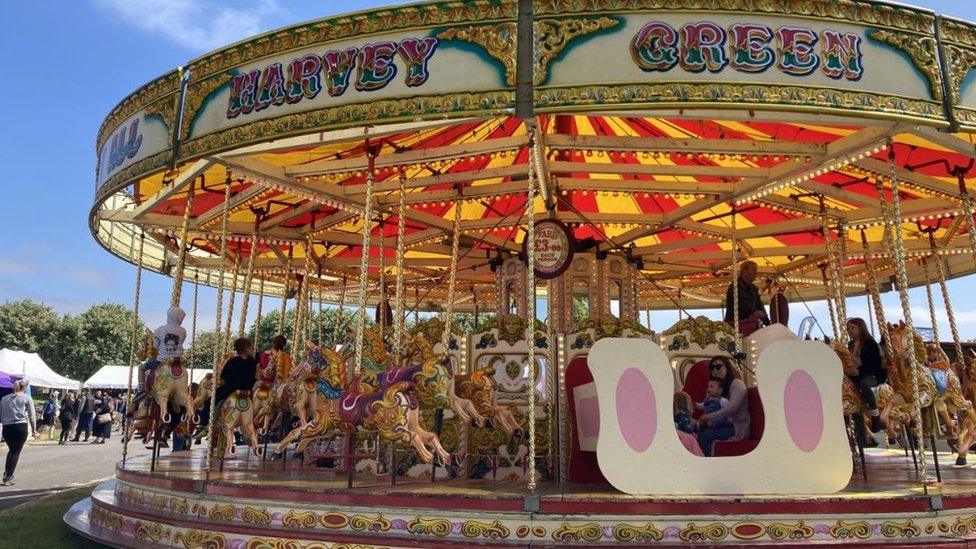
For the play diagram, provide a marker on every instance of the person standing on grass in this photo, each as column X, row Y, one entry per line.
column 16, row 414
column 66, row 416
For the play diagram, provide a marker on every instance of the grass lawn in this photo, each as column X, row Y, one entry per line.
column 39, row 523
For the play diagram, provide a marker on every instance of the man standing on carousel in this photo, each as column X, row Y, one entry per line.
column 752, row 314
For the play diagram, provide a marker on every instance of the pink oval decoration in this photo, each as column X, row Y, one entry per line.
column 636, row 410
column 803, row 406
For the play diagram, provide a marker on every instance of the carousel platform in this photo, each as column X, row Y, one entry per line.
column 254, row 504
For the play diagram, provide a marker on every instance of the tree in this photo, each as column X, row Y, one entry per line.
column 203, row 350
column 466, row 324
column 75, row 346
column 99, row 336
column 28, row 326
column 329, row 320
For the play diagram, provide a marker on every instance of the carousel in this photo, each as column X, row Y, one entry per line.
column 561, row 170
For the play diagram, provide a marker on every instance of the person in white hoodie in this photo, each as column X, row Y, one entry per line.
column 169, row 343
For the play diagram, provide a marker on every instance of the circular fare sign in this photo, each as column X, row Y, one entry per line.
column 553, row 248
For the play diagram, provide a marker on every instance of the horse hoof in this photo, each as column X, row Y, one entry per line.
column 961, row 460
column 489, row 424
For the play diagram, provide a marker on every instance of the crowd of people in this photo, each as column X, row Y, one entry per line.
column 88, row 413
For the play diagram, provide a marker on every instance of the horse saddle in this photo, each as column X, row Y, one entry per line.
column 328, row 390
column 941, row 378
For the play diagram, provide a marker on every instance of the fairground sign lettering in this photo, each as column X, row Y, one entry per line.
column 123, row 145
column 375, row 66
column 747, row 47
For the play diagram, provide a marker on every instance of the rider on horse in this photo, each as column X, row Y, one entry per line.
column 168, row 340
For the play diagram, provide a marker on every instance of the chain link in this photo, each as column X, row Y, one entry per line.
column 364, row 262
column 217, row 366
column 132, row 342
column 875, row 293
column 257, row 319
column 967, row 208
column 342, row 313
column 248, row 278
column 901, row 275
column 398, row 319
column 452, row 278
column 230, row 307
column 174, row 300
column 931, row 301
column 735, row 283
column 530, row 315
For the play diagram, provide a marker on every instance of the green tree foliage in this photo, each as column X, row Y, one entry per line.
column 75, row 346
column 29, row 326
column 328, row 320
column 202, row 350
column 466, row 324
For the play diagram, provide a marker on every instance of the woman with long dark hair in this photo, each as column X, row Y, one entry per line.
column 866, row 355
column 731, row 422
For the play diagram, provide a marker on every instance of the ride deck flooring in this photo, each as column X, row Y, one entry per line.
column 890, row 475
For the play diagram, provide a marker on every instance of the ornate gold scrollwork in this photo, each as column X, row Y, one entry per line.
column 921, row 50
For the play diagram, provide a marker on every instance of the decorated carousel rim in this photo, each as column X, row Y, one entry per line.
column 649, row 125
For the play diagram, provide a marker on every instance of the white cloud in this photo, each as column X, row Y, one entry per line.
column 198, row 25
column 10, row 266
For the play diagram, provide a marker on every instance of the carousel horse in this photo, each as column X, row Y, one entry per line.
column 854, row 405
column 269, row 390
column 235, row 411
column 938, row 384
column 419, row 351
column 166, row 384
column 473, row 397
column 479, row 388
column 391, row 410
column 433, row 379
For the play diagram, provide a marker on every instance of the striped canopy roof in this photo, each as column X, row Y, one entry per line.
column 659, row 189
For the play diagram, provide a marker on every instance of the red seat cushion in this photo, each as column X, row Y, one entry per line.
column 696, row 381
column 583, row 466
column 757, row 423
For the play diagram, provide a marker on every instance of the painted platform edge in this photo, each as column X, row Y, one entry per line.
column 126, row 516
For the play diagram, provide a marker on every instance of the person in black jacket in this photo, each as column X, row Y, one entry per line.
column 86, row 415
column 866, row 355
column 240, row 372
column 66, row 416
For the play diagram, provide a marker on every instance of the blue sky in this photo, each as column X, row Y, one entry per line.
column 70, row 61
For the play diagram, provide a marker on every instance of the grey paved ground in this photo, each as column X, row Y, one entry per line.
column 46, row 467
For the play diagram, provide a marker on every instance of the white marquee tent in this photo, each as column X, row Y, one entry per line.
column 117, row 377
column 32, row 367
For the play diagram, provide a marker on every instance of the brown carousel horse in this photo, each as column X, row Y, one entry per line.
column 436, row 392
column 276, row 393
column 168, row 383
column 473, row 396
column 938, row 385
column 279, row 366
column 389, row 408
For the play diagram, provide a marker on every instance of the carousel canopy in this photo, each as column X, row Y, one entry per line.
column 656, row 135
column 33, row 368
